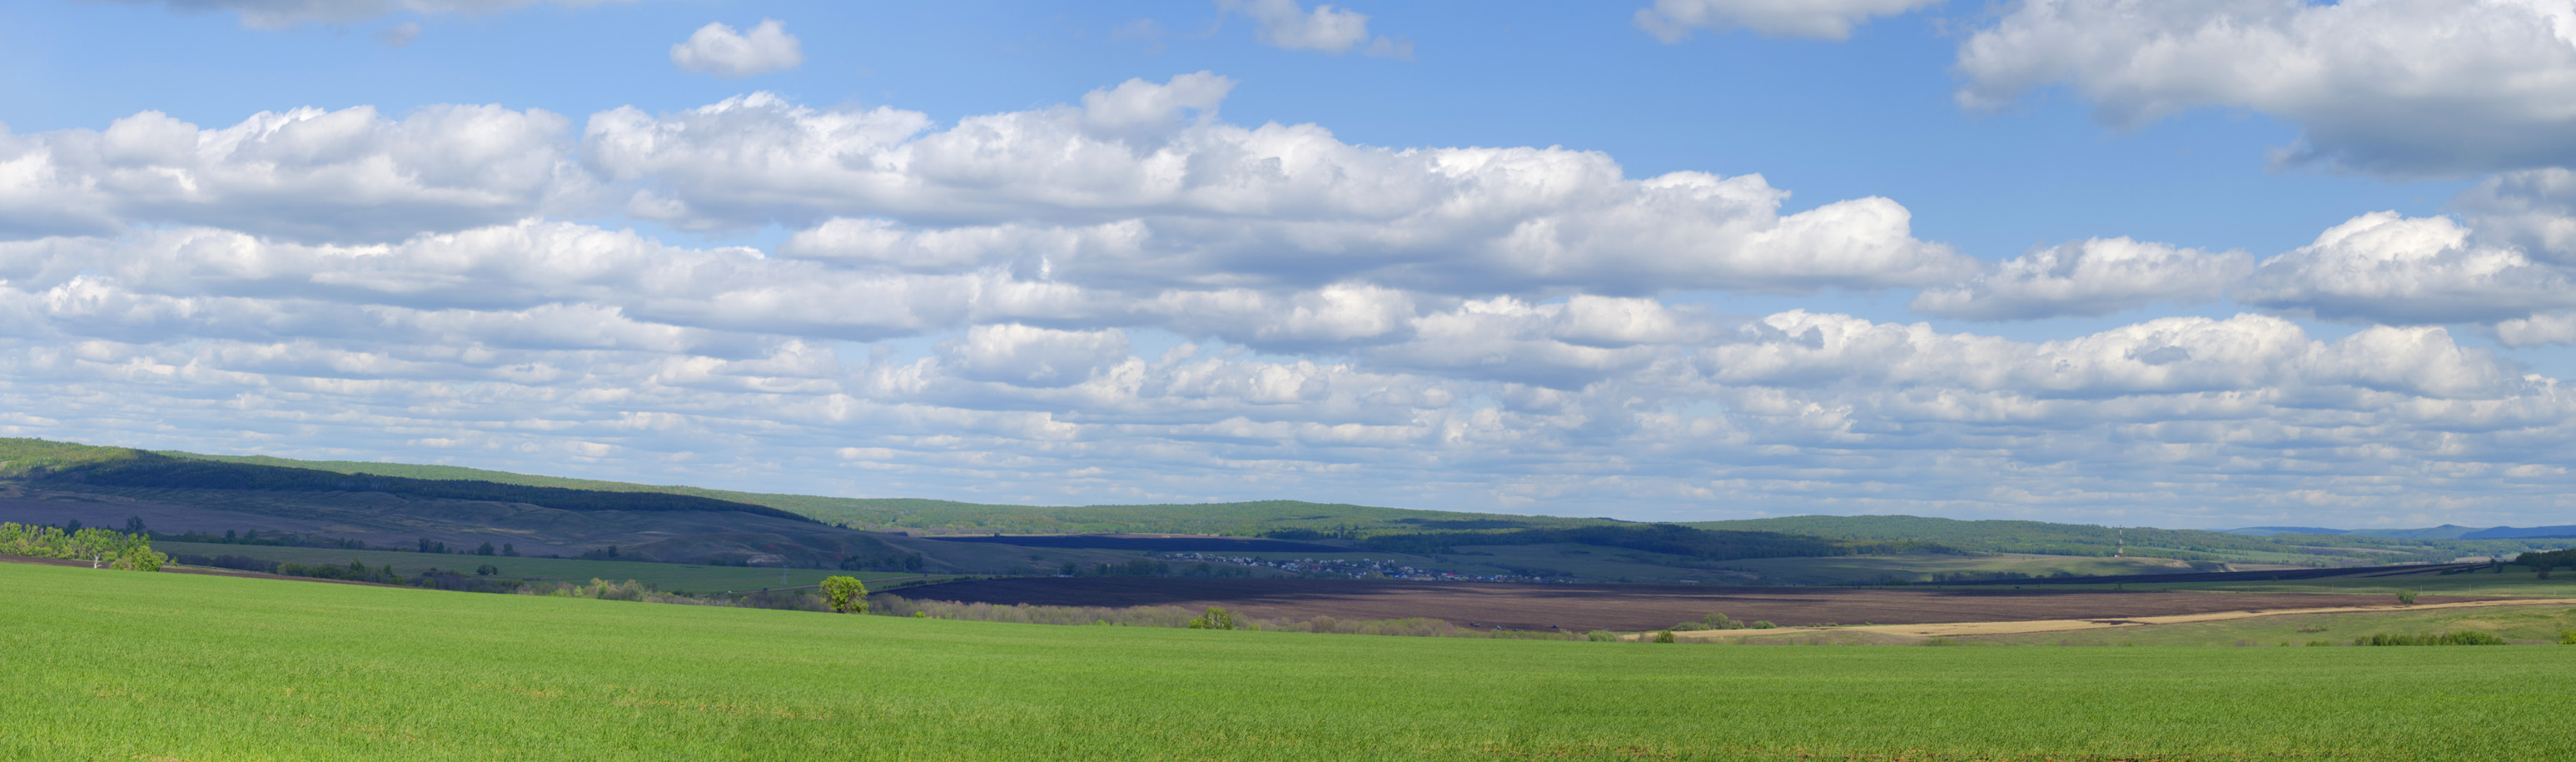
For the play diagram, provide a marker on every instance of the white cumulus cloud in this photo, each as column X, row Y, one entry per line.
column 723, row 51
column 2096, row 276
column 304, row 173
column 2401, row 87
column 1172, row 200
column 1326, row 29
column 287, row 14
column 1674, row 20
column 2386, row 267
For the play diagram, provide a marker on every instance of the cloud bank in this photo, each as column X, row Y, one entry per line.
column 1130, row 298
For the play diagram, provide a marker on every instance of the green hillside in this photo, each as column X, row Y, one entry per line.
column 20, row 458
column 135, row 666
column 944, row 516
column 56, row 463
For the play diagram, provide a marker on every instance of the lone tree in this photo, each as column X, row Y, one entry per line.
column 2406, row 597
column 847, row 594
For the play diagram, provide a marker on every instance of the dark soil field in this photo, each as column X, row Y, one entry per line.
column 1167, row 543
column 1613, row 607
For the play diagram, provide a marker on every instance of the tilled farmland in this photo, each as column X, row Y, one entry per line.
column 1614, row 607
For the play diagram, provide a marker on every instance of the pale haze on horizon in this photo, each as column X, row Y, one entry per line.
column 2184, row 264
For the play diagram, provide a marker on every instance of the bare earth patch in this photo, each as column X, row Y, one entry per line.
column 1948, row 629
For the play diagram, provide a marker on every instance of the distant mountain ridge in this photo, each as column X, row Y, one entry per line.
column 303, row 490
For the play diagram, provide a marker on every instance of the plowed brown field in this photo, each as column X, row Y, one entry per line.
column 1615, row 607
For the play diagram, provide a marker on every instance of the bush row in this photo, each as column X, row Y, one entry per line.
column 1181, row 618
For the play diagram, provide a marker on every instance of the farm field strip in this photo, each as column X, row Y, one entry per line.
column 1953, row 629
column 1611, row 607
column 127, row 665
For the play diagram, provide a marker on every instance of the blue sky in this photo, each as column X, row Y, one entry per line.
column 2054, row 259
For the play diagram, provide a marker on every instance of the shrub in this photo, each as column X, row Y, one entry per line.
column 2406, row 597
column 2459, row 638
column 2567, row 637
column 1761, row 624
column 487, row 570
column 1601, row 636
column 1665, row 636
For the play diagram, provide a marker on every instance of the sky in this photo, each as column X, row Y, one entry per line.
column 2185, row 263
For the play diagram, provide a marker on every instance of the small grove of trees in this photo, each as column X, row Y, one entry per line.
column 1214, row 619
column 847, row 595
column 105, row 547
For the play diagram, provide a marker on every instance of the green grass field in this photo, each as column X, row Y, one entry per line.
column 106, row 665
column 687, row 578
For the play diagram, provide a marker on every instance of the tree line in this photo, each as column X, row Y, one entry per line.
column 2549, row 559
column 106, row 547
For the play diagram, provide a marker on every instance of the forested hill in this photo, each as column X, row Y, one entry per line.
column 917, row 515
column 57, row 463
column 1385, row 528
